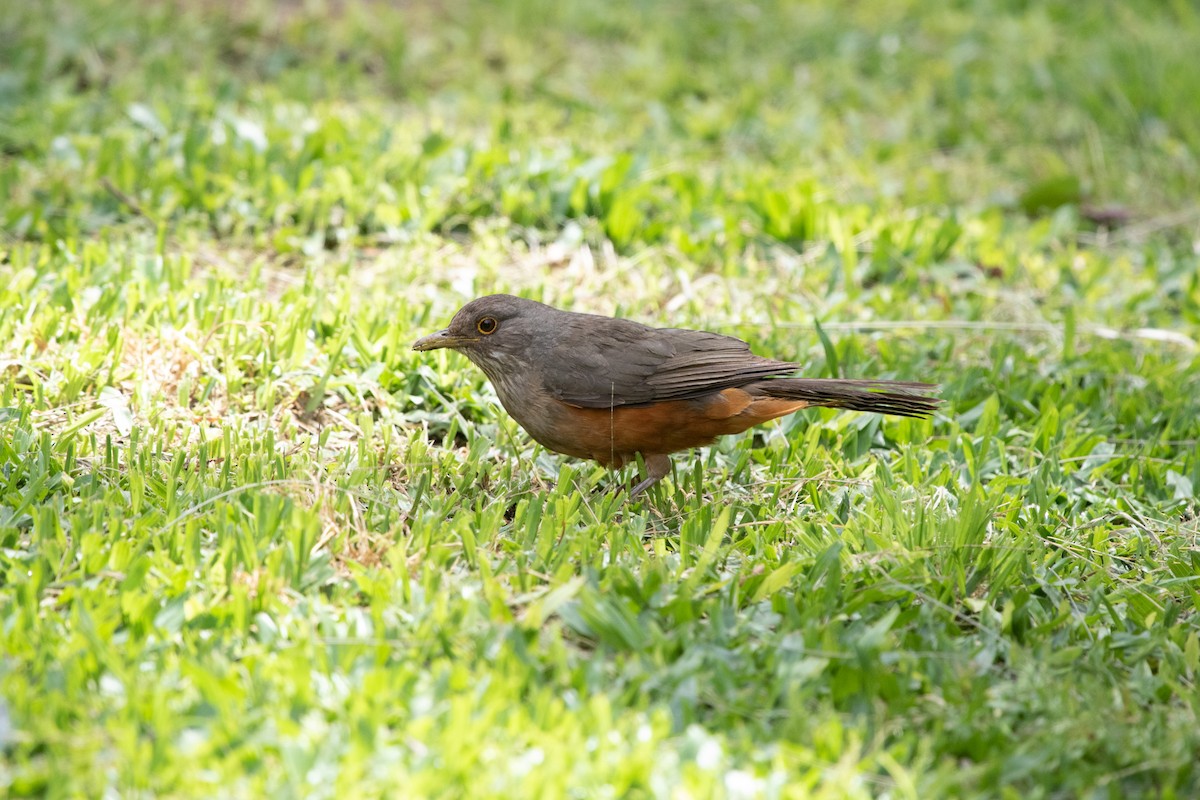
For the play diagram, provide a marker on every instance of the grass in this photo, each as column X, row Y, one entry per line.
column 252, row 545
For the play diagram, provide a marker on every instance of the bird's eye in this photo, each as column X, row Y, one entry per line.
column 487, row 325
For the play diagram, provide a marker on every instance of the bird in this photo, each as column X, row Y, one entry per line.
column 611, row 389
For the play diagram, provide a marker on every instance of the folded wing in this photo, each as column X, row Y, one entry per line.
column 626, row 363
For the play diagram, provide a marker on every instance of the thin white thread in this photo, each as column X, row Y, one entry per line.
column 612, row 422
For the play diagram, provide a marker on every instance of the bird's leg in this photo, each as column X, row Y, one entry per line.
column 657, row 468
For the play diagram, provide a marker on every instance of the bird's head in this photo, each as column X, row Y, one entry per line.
column 493, row 331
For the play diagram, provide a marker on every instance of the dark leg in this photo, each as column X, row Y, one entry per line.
column 657, row 468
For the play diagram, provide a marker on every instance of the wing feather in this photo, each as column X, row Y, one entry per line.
column 620, row 363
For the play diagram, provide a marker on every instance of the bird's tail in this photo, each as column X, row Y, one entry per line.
column 899, row 398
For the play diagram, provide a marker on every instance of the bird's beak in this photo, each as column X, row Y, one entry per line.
column 439, row 340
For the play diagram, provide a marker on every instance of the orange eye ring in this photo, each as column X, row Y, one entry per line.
column 487, row 325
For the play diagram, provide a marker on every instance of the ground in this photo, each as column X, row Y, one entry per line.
column 252, row 545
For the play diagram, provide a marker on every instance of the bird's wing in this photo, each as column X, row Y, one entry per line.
column 625, row 363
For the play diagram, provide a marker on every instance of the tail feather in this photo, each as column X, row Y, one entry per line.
column 898, row 398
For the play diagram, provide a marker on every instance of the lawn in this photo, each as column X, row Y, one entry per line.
column 252, row 545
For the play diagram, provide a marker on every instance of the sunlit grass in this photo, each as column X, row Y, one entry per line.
column 252, row 545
